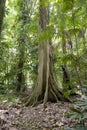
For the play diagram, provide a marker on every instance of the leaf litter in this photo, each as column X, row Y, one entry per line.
column 19, row 117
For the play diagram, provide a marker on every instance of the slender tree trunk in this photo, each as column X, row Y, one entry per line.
column 46, row 88
column 21, row 48
column 2, row 10
column 20, row 75
column 66, row 77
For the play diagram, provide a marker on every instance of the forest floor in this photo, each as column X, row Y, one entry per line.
column 15, row 116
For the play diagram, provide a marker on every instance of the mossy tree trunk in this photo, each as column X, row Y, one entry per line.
column 21, row 46
column 46, row 88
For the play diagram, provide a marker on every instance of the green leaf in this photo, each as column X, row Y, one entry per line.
column 75, row 110
column 67, row 5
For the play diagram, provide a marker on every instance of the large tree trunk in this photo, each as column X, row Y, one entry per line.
column 46, row 88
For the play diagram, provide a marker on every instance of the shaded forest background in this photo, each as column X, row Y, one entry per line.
column 43, row 46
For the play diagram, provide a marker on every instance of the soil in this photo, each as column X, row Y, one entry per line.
column 19, row 117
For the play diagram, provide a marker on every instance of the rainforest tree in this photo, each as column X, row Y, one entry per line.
column 46, row 88
column 21, row 45
column 52, row 38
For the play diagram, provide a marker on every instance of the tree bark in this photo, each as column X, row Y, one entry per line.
column 46, row 88
column 66, row 77
column 20, row 74
column 2, row 10
column 21, row 48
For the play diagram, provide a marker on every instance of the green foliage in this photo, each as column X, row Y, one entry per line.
column 47, row 34
column 10, row 99
column 79, row 110
column 77, row 128
column 67, row 5
column 68, row 22
column 44, row 3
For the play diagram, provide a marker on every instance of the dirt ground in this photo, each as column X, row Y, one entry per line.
column 18, row 117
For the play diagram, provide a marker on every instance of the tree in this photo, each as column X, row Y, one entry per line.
column 46, row 88
column 66, row 76
column 21, row 46
column 18, row 48
column 2, row 10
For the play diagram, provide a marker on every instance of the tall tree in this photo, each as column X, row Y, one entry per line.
column 2, row 10
column 46, row 88
column 21, row 45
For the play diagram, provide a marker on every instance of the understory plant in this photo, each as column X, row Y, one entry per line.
column 79, row 110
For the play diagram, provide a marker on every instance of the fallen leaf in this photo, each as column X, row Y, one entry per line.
column 59, row 124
